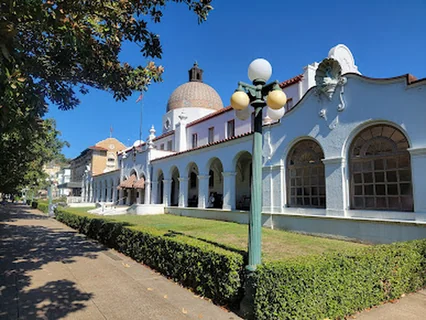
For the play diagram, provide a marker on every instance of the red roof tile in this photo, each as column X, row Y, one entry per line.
column 97, row 148
column 164, row 135
column 206, row 145
column 209, row 116
column 291, row 81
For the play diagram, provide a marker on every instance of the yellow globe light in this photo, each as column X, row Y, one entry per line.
column 240, row 100
column 276, row 99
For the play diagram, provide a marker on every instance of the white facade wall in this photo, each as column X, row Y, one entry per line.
column 368, row 102
column 332, row 123
column 191, row 113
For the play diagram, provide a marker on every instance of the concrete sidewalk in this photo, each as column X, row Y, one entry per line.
column 48, row 271
column 410, row 307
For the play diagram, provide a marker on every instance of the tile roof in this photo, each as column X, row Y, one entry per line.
column 206, row 145
column 140, row 184
column 283, row 85
column 291, row 81
column 164, row 135
column 209, row 116
column 97, row 148
column 128, row 183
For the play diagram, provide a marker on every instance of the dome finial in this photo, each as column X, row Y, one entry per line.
column 195, row 73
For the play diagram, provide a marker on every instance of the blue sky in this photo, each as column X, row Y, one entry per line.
column 387, row 38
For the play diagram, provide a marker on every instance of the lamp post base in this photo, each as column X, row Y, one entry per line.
column 247, row 304
column 50, row 211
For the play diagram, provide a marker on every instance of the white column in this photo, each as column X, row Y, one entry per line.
column 167, row 192
column 129, row 196
column 108, row 195
column 203, row 190
column 121, row 196
column 229, row 190
column 147, row 199
column 273, row 190
column 91, row 199
column 183, row 192
column 114, row 192
column 335, row 186
column 418, row 174
column 139, row 196
column 83, row 189
column 154, row 192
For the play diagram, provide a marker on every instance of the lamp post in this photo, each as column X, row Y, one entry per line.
column 49, row 194
column 258, row 95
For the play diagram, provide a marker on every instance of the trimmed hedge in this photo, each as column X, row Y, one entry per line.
column 43, row 206
column 336, row 285
column 211, row 271
column 332, row 285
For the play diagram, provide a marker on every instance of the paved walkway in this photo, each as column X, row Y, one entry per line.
column 48, row 271
column 410, row 307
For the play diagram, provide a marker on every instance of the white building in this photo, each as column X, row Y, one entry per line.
column 348, row 158
column 63, row 177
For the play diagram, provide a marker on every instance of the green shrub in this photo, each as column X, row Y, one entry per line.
column 336, row 285
column 43, row 206
column 211, row 271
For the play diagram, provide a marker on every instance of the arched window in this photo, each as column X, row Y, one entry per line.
column 193, row 180
column 305, row 172
column 211, row 178
column 380, row 170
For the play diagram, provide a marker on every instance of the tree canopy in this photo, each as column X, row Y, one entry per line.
column 51, row 49
column 25, row 152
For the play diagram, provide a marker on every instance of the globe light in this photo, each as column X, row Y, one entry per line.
column 243, row 114
column 275, row 114
column 260, row 69
column 276, row 99
column 240, row 100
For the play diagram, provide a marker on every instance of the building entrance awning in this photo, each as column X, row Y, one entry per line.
column 132, row 183
column 140, row 184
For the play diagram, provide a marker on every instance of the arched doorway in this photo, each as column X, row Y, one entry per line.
column 160, row 186
column 215, row 194
column 380, row 170
column 243, row 168
column 193, row 185
column 132, row 191
column 174, row 199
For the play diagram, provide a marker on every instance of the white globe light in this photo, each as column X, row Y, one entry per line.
column 243, row 114
column 275, row 114
column 260, row 69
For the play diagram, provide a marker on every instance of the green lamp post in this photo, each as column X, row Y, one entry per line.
column 49, row 195
column 258, row 95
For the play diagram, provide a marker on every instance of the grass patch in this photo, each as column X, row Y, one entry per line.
column 276, row 244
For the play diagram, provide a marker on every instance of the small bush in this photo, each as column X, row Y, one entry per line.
column 211, row 271
column 43, row 206
column 336, row 285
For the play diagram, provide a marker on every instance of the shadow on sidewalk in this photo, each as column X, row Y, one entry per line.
column 27, row 246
